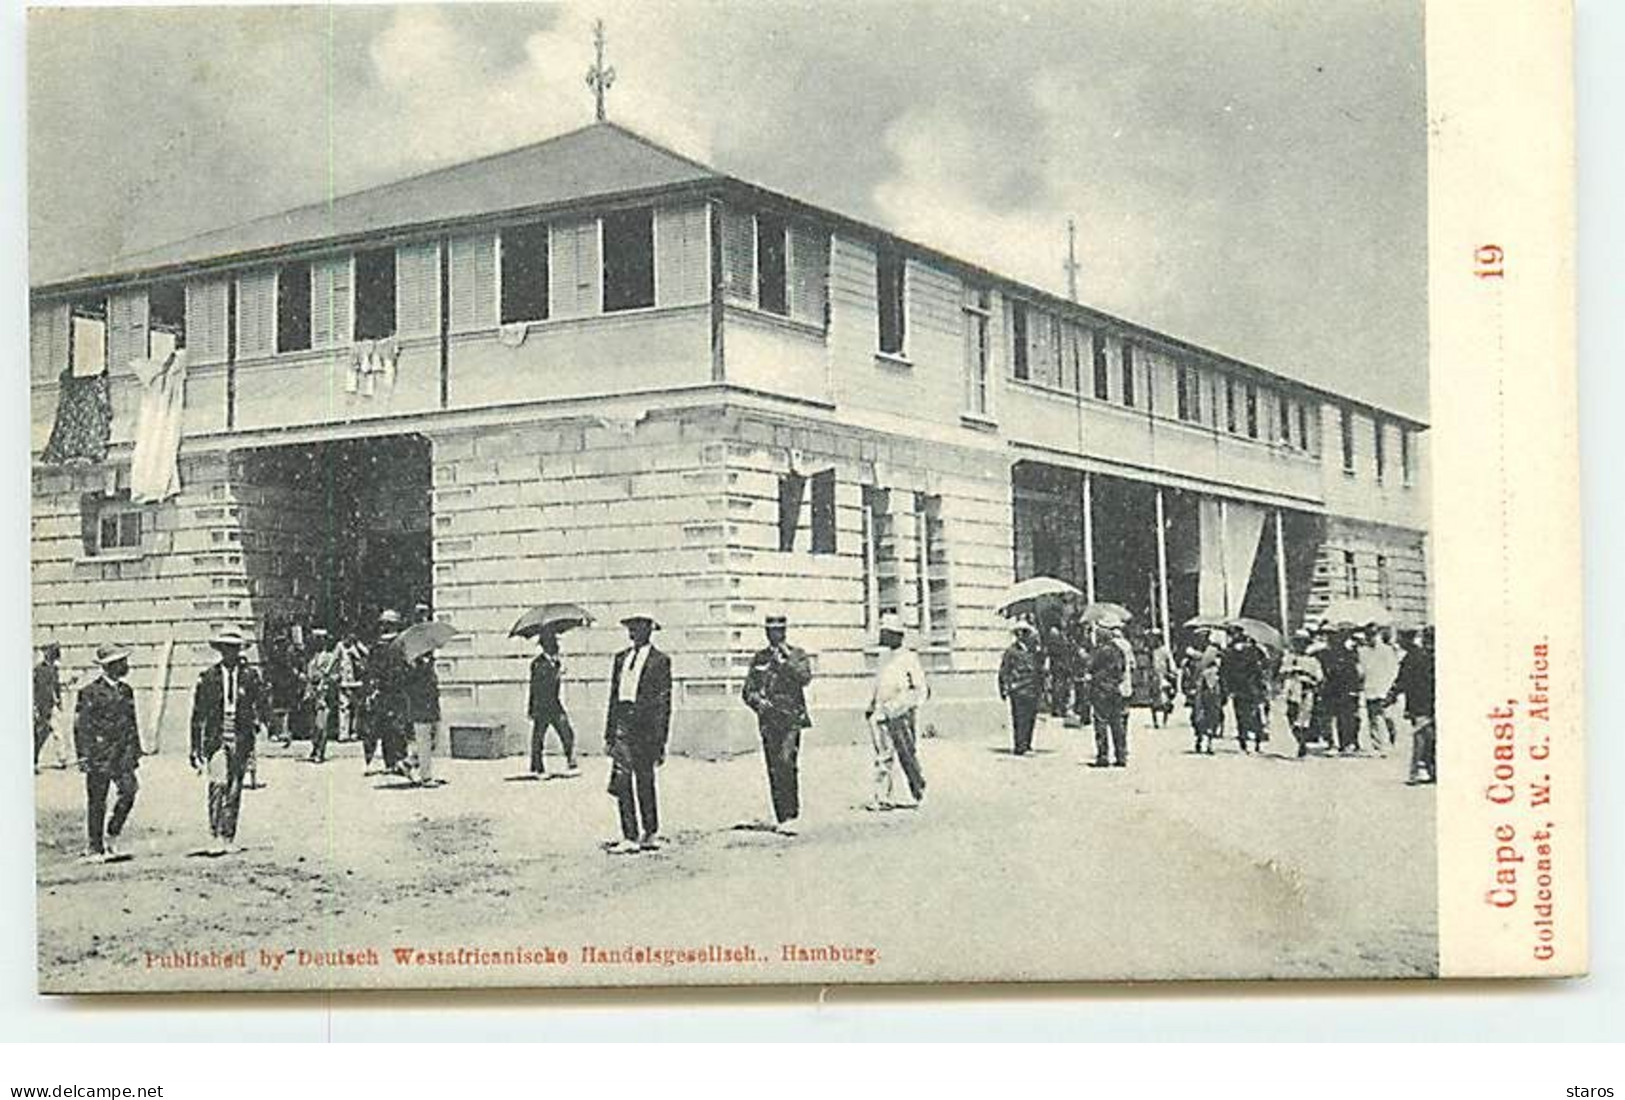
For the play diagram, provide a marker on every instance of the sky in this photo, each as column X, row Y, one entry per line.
column 1249, row 176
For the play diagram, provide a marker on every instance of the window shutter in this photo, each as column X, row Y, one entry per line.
column 575, row 275
column 256, row 314
column 417, row 289
column 330, row 302
column 206, row 320
column 683, row 262
column 809, row 274
column 126, row 329
column 48, row 341
column 738, row 255
column 473, row 282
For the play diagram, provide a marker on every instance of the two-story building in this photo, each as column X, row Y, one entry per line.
column 592, row 369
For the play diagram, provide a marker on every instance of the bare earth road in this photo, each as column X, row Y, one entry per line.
column 1177, row 867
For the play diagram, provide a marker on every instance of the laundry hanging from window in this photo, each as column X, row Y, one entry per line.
column 154, row 463
column 84, row 420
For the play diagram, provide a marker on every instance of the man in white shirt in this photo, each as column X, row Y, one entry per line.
column 1379, row 668
column 635, row 733
column 899, row 690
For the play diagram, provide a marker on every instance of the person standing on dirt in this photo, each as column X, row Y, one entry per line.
column 349, row 669
column 107, row 741
column 47, row 696
column 322, row 694
column 635, row 733
column 388, row 707
column 230, row 706
column 547, row 709
column 775, row 688
column 899, row 691
column 1021, row 682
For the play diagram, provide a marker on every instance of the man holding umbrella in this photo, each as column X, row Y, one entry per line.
column 775, row 690
column 108, row 745
column 229, row 707
column 635, row 732
column 546, row 703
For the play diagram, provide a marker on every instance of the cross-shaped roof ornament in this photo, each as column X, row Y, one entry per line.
column 599, row 77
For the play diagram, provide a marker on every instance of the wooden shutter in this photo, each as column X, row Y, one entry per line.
column 739, row 255
column 256, row 314
column 575, row 274
column 809, row 274
column 330, row 300
column 417, row 289
column 206, row 320
column 126, row 329
column 682, row 258
column 473, row 287
column 48, row 341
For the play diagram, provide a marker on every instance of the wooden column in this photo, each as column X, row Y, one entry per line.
column 1162, row 568
column 1280, row 572
column 1088, row 538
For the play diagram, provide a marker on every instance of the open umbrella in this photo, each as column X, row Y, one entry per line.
column 1262, row 633
column 1034, row 588
column 1353, row 612
column 1207, row 622
column 1102, row 612
column 421, row 638
column 557, row 617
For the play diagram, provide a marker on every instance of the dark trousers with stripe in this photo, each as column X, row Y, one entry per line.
column 781, row 748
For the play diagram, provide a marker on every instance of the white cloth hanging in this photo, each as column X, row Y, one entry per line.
column 155, row 474
column 513, row 334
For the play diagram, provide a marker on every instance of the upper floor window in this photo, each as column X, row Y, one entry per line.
column 166, row 319
column 1186, row 394
column 524, row 267
column 1103, row 385
column 87, row 337
column 1252, row 411
column 772, row 264
column 978, row 310
column 1020, row 366
column 1128, row 375
column 1231, row 423
column 1406, row 459
column 1303, row 426
column 374, row 294
column 629, row 259
column 1283, row 420
column 891, row 297
column 1351, row 574
column 1379, row 452
column 293, row 305
column 1346, row 420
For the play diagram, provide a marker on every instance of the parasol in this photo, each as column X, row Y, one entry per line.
column 1034, row 588
column 421, row 638
column 1102, row 612
column 1356, row 612
column 555, row 617
column 1262, row 633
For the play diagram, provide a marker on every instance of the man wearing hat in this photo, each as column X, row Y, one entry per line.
column 775, row 688
column 1111, row 683
column 230, row 705
column 1245, row 678
column 388, row 705
column 108, row 743
column 322, row 693
column 899, row 691
column 547, row 707
column 47, row 699
column 1021, row 681
column 635, row 732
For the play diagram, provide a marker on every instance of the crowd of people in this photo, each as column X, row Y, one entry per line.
column 388, row 698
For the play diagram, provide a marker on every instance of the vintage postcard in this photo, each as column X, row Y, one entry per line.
column 732, row 493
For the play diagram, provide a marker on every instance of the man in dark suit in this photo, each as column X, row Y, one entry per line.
column 775, row 690
column 547, row 707
column 635, row 733
column 230, row 705
column 108, row 743
column 1021, row 681
column 47, row 698
column 1111, row 670
column 388, row 698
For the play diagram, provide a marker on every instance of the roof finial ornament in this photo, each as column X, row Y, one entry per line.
column 1072, row 266
column 599, row 78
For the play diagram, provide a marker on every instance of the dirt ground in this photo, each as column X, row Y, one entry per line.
column 1180, row 866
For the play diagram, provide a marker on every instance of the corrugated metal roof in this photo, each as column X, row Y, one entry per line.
column 600, row 159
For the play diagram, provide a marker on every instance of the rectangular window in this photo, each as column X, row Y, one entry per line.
column 1021, row 366
column 1128, row 375
column 823, row 512
column 978, row 309
column 166, row 319
column 792, row 489
column 1283, row 421
column 629, row 259
column 87, row 343
column 1347, row 422
column 891, row 294
column 293, row 306
column 1252, row 411
column 111, row 524
column 1351, row 575
column 1379, row 452
column 1182, row 392
column 1384, row 580
column 525, row 262
column 772, row 267
column 882, row 588
column 1303, row 427
column 1230, row 420
column 374, row 294
column 1405, row 458
column 931, row 571
column 1102, row 373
